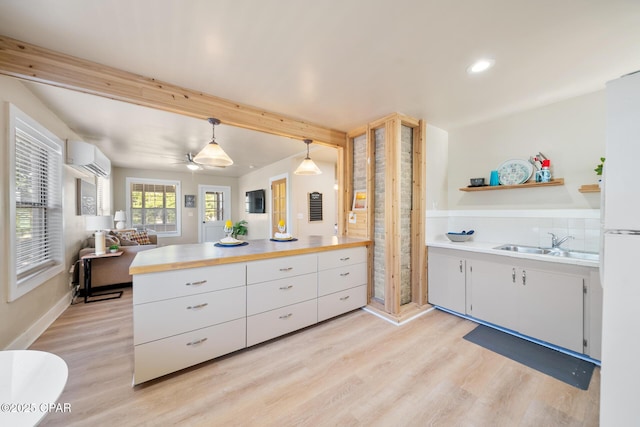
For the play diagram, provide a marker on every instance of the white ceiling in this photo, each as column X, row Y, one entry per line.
column 339, row 63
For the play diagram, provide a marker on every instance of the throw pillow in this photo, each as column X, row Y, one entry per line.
column 142, row 237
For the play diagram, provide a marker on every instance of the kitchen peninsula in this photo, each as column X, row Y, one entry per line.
column 195, row 302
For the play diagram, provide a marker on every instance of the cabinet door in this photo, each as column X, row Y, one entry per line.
column 447, row 281
column 550, row 307
column 493, row 292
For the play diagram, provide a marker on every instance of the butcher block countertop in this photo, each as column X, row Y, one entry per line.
column 175, row 257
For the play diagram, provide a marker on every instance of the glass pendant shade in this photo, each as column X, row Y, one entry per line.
column 212, row 154
column 307, row 167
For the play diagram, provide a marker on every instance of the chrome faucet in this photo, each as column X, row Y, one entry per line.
column 555, row 242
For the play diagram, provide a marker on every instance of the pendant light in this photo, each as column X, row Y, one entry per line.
column 212, row 154
column 307, row 167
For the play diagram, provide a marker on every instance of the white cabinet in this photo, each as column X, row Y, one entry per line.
column 281, row 268
column 560, row 304
column 342, row 281
column 161, row 357
column 492, row 292
column 447, row 279
column 546, row 305
column 265, row 326
column 187, row 316
column 286, row 302
column 184, row 317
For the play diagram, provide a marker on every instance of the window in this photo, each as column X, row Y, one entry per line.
column 214, row 206
column 36, row 204
column 153, row 205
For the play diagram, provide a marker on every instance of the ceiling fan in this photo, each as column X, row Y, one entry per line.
column 192, row 165
column 195, row 166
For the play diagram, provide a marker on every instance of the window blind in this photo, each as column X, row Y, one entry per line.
column 38, row 201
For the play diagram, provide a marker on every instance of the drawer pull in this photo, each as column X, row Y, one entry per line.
column 344, row 274
column 286, row 316
column 344, row 298
column 284, row 288
column 345, row 258
column 286, row 269
column 196, row 342
column 198, row 283
column 195, row 307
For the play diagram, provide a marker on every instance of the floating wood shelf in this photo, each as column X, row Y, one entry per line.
column 553, row 182
column 589, row 188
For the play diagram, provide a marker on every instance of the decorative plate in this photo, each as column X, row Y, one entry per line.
column 236, row 243
column 514, row 171
column 280, row 239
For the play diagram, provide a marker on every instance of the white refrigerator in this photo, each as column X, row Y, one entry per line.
column 620, row 260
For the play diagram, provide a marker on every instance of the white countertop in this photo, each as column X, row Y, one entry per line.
column 489, row 248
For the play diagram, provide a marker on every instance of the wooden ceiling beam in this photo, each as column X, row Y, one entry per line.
column 29, row 62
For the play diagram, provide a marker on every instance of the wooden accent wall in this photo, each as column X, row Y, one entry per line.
column 392, row 125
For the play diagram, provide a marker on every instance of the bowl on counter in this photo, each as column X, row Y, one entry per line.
column 460, row 237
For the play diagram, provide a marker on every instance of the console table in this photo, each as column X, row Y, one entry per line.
column 86, row 262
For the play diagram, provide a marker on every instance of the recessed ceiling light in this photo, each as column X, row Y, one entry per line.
column 480, row 66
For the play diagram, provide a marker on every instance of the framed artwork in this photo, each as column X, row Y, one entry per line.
column 86, row 198
column 189, row 201
column 359, row 200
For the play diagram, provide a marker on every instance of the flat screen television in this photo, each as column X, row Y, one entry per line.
column 255, row 201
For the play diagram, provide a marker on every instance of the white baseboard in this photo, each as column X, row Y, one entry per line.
column 28, row 337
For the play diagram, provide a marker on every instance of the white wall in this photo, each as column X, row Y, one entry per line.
column 189, row 182
column 298, row 186
column 302, row 186
column 571, row 133
column 437, row 159
column 18, row 318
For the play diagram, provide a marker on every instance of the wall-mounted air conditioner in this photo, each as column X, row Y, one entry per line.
column 88, row 158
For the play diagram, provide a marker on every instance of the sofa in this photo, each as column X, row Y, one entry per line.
column 115, row 270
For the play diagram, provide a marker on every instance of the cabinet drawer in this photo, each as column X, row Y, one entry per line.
column 342, row 278
column 264, row 326
column 340, row 257
column 341, row 302
column 177, row 283
column 279, row 293
column 279, row 268
column 161, row 357
column 161, row 319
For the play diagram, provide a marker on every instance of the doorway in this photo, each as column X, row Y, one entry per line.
column 214, row 210
column 279, row 203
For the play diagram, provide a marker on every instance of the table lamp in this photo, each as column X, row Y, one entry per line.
column 120, row 218
column 98, row 224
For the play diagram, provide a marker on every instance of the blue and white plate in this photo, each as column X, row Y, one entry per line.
column 514, row 171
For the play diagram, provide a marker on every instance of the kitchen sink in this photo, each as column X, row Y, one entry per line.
column 589, row 256
column 524, row 249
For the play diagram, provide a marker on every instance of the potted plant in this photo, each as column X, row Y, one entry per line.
column 113, row 248
column 239, row 229
column 598, row 170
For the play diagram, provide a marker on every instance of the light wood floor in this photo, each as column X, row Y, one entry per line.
column 356, row 370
